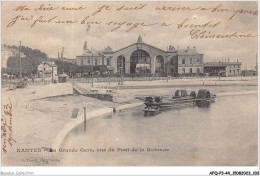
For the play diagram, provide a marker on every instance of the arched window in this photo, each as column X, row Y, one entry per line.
column 140, row 61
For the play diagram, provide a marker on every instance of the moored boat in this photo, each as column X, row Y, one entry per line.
column 180, row 99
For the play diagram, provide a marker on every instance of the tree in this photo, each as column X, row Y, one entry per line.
column 29, row 63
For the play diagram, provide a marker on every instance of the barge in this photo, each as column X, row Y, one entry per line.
column 180, row 99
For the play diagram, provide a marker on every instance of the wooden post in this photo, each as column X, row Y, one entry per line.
column 85, row 119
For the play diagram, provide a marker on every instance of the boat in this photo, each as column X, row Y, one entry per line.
column 204, row 97
column 181, row 98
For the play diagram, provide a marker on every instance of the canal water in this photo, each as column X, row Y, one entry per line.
column 223, row 134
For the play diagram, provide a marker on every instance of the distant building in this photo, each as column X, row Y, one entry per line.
column 47, row 70
column 61, row 58
column 190, row 61
column 73, row 61
column 6, row 52
column 222, row 68
column 141, row 57
column 90, row 56
column 249, row 73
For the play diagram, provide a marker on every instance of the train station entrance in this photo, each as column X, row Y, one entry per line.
column 140, row 62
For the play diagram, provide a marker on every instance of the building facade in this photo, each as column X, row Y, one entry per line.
column 141, row 57
column 48, row 70
column 190, row 61
column 249, row 73
column 223, row 68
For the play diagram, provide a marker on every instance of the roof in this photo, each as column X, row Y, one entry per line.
column 203, row 93
column 218, row 64
column 90, row 53
column 143, row 44
column 248, row 70
column 139, row 41
column 187, row 51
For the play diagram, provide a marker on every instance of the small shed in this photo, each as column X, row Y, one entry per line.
column 63, row 78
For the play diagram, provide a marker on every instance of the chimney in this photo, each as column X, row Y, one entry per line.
column 62, row 51
column 58, row 55
column 228, row 59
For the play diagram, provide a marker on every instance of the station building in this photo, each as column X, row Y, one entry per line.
column 141, row 57
column 223, row 68
column 190, row 61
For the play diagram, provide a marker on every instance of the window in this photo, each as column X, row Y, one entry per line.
column 183, row 61
column 190, row 70
column 95, row 61
column 88, row 61
column 229, row 71
column 198, row 70
column 183, row 70
column 81, row 62
column 198, row 59
column 108, row 62
column 140, row 57
column 190, row 61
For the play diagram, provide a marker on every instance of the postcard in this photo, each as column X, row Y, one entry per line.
column 129, row 83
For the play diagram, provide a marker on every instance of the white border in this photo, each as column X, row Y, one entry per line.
column 194, row 170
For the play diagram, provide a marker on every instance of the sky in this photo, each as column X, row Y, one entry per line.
column 51, row 37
